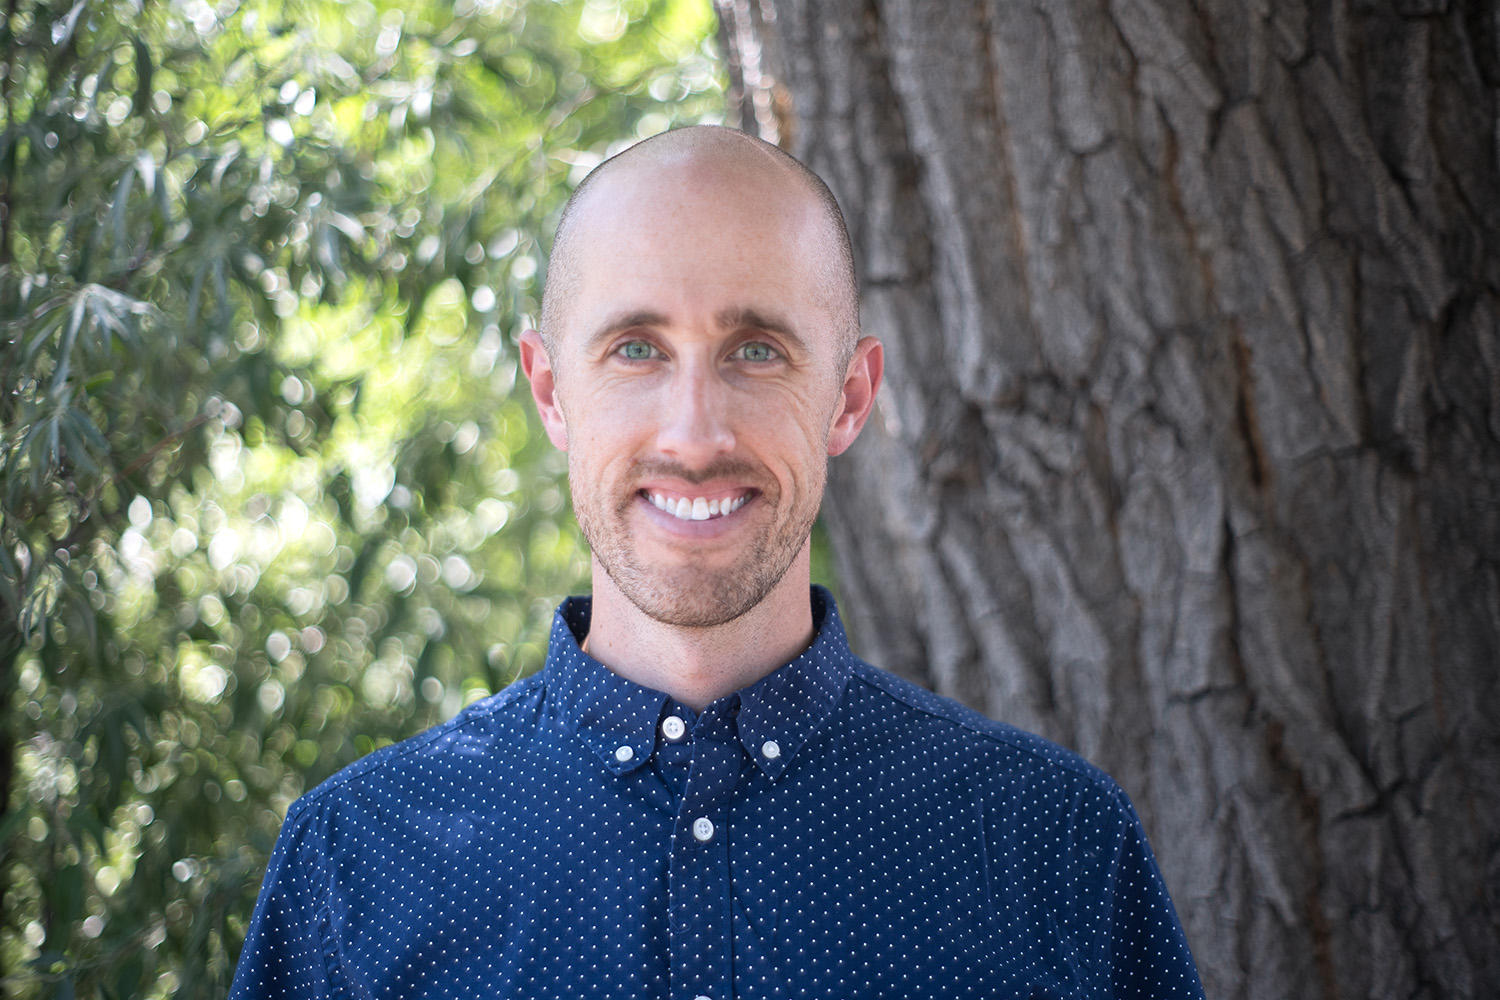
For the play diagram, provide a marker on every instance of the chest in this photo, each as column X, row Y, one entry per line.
column 645, row 887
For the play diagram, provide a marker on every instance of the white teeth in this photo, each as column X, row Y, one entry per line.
column 696, row 508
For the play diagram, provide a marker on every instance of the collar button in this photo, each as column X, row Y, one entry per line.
column 673, row 728
column 770, row 749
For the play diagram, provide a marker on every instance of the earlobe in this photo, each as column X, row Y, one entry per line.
column 539, row 372
column 861, row 383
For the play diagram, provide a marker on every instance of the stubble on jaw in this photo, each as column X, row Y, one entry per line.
column 686, row 595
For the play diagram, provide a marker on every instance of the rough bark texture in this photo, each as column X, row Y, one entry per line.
column 1189, row 455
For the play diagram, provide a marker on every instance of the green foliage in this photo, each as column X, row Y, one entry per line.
column 268, row 498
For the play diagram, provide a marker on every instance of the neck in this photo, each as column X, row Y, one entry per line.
column 699, row 665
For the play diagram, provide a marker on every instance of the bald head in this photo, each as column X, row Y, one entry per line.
column 722, row 163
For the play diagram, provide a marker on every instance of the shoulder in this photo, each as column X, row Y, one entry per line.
column 488, row 729
column 947, row 727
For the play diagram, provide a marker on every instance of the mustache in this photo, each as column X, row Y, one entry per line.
column 726, row 468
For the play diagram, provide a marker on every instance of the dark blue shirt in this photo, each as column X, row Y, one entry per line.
column 829, row 832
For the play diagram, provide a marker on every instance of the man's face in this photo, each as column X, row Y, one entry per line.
column 697, row 389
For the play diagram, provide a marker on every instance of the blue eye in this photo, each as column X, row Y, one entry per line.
column 636, row 350
column 757, row 351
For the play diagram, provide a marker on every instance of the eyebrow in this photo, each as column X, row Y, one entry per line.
column 741, row 317
column 732, row 318
column 620, row 322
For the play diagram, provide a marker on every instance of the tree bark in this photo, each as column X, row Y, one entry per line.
column 1189, row 452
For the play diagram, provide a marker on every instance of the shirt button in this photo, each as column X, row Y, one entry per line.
column 703, row 829
column 624, row 753
column 770, row 749
column 672, row 727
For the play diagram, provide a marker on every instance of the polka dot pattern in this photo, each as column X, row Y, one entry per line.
column 829, row 832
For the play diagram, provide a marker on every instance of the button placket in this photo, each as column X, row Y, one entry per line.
column 698, row 875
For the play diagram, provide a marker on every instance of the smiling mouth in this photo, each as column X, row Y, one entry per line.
column 696, row 508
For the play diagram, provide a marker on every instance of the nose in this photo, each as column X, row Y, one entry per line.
column 695, row 420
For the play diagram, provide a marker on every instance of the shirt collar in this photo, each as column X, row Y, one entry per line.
column 774, row 718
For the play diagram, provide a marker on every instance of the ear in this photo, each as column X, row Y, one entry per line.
column 538, row 368
column 857, row 397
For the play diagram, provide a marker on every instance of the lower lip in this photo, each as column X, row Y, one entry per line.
column 708, row 528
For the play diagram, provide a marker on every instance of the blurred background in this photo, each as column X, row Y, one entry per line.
column 1187, row 456
column 270, row 500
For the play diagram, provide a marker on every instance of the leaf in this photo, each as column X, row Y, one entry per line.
column 364, row 561
column 116, row 313
column 119, row 206
column 425, row 660
column 143, row 74
column 45, row 330
column 145, row 166
column 62, row 31
column 72, row 447
column 69, row 342
column 223, row 313
column 88, row 430
column 195, row 293
column 221, row 167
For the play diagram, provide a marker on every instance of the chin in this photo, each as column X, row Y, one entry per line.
column 694, row 599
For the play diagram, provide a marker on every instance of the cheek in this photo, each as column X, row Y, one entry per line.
column 605, row 421
column 812, row 419
column 793, row 438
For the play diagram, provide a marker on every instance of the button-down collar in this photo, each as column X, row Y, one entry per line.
column 782, row 710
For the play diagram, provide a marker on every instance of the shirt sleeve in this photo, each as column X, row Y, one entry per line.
column 284, row 954
column 1148, row 950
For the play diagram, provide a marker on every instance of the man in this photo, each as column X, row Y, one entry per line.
column 704, row 794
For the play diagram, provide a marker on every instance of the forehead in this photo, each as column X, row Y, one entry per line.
column 692, row 237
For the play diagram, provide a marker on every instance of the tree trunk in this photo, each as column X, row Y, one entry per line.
column 1189, row 453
